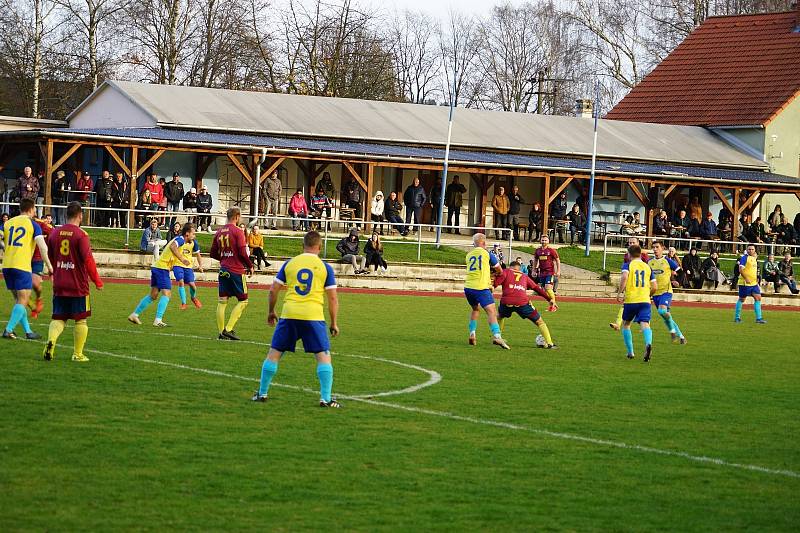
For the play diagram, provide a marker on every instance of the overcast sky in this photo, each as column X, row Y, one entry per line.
column 437, row 8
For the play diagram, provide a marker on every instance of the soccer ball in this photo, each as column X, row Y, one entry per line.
column 540, row 342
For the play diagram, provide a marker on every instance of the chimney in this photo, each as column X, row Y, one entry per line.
column 583, row 108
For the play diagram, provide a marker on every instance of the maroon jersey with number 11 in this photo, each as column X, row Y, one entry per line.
column 73, row 264
column 230, row 249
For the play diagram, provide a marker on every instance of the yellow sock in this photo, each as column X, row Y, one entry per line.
column 502, row 323
column 236, row 314
column 545, row 333
column 81, row 332
column 55, row 331
column 551, row 294
column 221, row 307
column 619, row 318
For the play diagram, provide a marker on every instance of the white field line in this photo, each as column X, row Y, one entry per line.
column 484, row 422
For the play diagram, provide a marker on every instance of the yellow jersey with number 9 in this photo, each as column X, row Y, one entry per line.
column 637, row 287
column 306, row 278
column 18, row 237
column 479, row 268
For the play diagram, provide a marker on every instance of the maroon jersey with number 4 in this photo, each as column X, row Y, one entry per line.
column 515, row 287
column 73, row 264
column 230, row 249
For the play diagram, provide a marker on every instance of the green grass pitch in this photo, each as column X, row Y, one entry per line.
column 157, row 432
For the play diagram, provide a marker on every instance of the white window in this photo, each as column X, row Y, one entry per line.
column 610, row 190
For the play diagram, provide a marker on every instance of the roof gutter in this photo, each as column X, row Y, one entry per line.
column 345, row 155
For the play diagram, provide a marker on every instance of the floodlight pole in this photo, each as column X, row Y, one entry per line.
column 596, row 111
column 446, row 162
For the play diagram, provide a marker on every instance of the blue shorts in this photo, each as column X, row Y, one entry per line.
column 231, row 284
column 313, row 333
column 525, row 311
column 549, row 279
column 483, row 297
column 663, row 299
column 37, row 267
column 640, row 312
column 71, row 307
column 159, row 278
column 744, row 291
column 17, row 280
column 183, row 274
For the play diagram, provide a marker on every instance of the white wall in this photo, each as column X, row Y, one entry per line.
column 110, row 109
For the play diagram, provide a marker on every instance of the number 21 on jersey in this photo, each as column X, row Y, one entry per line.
column 475, row 260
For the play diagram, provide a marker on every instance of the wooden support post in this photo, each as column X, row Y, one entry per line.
column 650, row 214
column 134, row 187
column 48, row 173
column 546, row 206
column 355, row 174
column 756, row 195
column 735, row 230
column 560, row 189
column 370, row 190
column 254, row 184
column 637, row 193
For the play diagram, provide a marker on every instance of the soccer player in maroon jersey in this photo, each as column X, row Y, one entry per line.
column 230, row 249
column 633, row 241
column 515, row 300
column 73, row 266
column 37, row 265
column 548, row 266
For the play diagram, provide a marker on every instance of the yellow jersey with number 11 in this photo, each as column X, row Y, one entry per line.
column 637, row 287
column 479, row 269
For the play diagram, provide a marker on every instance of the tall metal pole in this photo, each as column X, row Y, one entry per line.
column 257, row 191
column 596, row 110
column 446, row 161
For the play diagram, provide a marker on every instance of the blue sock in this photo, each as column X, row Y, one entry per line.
column 473, row 326
column 144, row 304
column 627, row 337
column 192, row 291
column 757, row 307
column 24, row 321
column 268, row 369
column 677, row 329
column 163, row 302
column 666, row 318
column 738, row 314
column 182, row 294
column 648, row 335
column 17, row 312
column 495, row 329
column 325, row 375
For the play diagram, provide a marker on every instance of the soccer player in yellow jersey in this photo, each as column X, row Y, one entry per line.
column 663, row 267
column 307, row 280
column 635, row 288
column 159, row 277
column 20, row 235
column 748, row 270
column 185, row 275
column 478, row 289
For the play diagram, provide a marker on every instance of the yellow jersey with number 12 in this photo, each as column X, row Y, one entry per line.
column 479, row 268
column 306, row 278
column 18, row 237
column 637, row 287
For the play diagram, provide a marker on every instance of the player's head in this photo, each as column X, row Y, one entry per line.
column 74, row 213
column 658, row 248
column 27, row 207
column 187, row 232
column 311, row 242
column 633, row 241
column 479, row 240
column 233, row 214
column 751, row 250
column 514, row 265
column 48, row 218
column 635, row 251
column 545, row 240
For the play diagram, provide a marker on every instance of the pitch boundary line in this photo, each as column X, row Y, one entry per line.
column 480, row 421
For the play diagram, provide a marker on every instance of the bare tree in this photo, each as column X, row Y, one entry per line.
column 417, row 61
column 458, row 46
column 222, row 27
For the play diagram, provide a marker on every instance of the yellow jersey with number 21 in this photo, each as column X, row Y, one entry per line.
column 479, row 268
column 637, row 287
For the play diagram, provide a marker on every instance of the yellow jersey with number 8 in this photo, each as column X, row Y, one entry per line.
column 479, row 268
column 19, row 234
column 637, row 287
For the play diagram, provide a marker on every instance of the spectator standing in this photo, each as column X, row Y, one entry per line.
column 391, row 209
column 786, row 273
column 104, row 195
column 272, row 189
column 298, row 210
column 797, row 225
column 163, row 202
column 770, row 273
column 454, row 199
column 28, row 185
column 435, row 199
column 373, row 250
column 376, row 209
column 60, row 197
column 775, row 218
column 326, row 185
column 349, row 248
column 156, row 191
column 152, row 241
column 190, row 205
column 691, row 270
column 577, row 223
column 515, row 202
column 708, row 229
column 174, row 193
column 535, row 219
column 414, row 197
column 121, row 200
column 204, row 205
column 501, row 205
column 84, row 186
column 352, row 197
column 695, row 209
column 144, row 204
column 255, row 242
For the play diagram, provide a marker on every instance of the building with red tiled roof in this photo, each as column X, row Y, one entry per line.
column 739, row 76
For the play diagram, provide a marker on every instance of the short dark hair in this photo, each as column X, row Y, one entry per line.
column 311, row 239
column 635, row 250
column 232, row 212
column 25, row 205
column 658, row 242
column 73, row 210
column 187, row 228
column 514, row 263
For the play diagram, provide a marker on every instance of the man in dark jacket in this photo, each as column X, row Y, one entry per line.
column 204, row 205
column 436, row 198
column 351, row 193
column 414, row 198
column 453, row 198
column 190, row 204
column 515, row 202
column 104, row 190
column 349, row 247
column 174, row 193
column 391, row 209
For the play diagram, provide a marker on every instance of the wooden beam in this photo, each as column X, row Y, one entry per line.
column 48, row 173
column 238, row 164
column 355, row 175
column 118, row 159
column 370, row 187
column 272, row 168
column 484, row 198
column 650, row 214
column 637, row 193
column 203, row 163
column 724, row 200
column 490, row 182
column 735, row 228
column 61, row 160
column 317, row 172
column 43, row 151
column 150, row 146
column 750, row 199
column 133, row 191
column 149, row 162
column 546, row 207
column 560, row 189
column 669, row 190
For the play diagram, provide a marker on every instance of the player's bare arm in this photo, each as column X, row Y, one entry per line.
column 623, row 280
column 333, row 310
column 272, row 316
column 199, row 262
column 41, row 243
column 557, row 271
